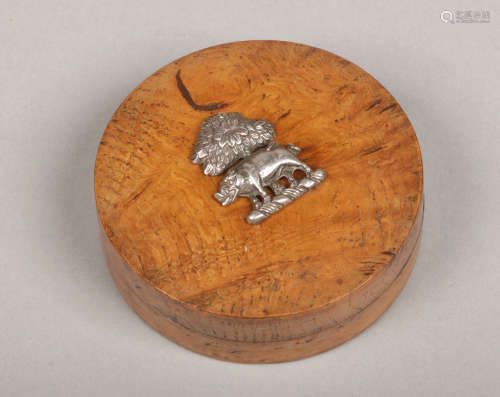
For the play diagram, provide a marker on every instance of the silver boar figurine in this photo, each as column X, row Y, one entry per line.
column 262, row 169
column 226, row 138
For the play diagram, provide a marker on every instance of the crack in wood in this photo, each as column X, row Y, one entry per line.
column 373, row 150
column 373, row 104
column 189, row 99
column 285, row 114
column 387, row 108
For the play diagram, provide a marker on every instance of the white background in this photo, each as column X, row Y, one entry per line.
column 64, row 69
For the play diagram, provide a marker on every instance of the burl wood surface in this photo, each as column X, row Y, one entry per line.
column 309, row 277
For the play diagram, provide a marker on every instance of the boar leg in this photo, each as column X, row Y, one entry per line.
column 262, row 192
column 256, row 203
column 276, row 188
column 288, row 173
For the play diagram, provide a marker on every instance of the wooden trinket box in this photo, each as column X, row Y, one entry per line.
column 307, row 255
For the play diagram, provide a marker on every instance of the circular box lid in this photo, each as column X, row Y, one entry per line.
column 309, row 277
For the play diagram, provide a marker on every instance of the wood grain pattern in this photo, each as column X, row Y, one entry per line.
column 322, row 269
